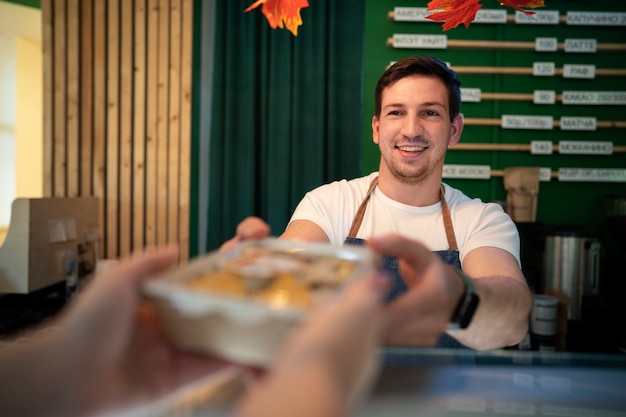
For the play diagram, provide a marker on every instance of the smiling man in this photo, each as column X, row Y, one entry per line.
column 454, row 260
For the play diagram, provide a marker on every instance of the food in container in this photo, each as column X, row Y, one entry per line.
column 241, row 303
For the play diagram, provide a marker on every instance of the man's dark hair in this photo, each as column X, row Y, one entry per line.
column 421, row 65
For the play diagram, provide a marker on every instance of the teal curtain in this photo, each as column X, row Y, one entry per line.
column 285, row 111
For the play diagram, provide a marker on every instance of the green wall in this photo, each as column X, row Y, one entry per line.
column 30, row 3
column 559, row 202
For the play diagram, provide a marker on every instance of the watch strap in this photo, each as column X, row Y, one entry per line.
column 465, row 309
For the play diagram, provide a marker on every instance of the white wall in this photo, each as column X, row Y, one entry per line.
column 21, row 107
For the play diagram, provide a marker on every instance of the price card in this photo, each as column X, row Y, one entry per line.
column 581, row 45
column 546, row 44
column 543, row 69
column 579, row 147
column 471, row 95
column 579, row 71
column 545, row 174
column 540, row 17
column 544, row 97
column 592, row 175
column 578, row 123
column 482, row 172
column 420, row 41
column 509, row 121
column 541, row 147
column 596, row 18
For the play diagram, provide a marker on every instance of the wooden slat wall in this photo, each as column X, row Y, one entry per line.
column 117, row 115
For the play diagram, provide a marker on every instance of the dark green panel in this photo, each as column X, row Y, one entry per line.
column 559, row 202
column 30, row 3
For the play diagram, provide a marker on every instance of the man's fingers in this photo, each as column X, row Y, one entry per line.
column 252, row 228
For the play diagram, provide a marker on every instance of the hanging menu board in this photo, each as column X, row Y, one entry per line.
column 546, row 90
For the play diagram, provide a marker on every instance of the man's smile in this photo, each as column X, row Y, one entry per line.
column 412, row 148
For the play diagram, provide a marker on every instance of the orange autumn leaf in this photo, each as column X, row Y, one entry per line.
column 455, row 12
column 518, row 4
column 281, row 13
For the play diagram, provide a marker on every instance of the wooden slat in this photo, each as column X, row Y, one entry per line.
column 185, row 127
column 113, row 125
column 507, row 96
column 60, row 66
column 151, row 122
column 126, row 127
column 173, row 150
column 72, row 116
column 117, row 117
column 99, row 115
column 139, row 126
column 86, row 97
column 162, row 121
column 47, row 15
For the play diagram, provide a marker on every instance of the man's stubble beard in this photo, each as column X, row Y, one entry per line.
column 410, row 175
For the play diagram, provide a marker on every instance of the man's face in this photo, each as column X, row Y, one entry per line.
column 414, row 129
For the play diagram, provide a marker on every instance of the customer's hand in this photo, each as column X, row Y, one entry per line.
column 249, row 228
column 419, row 316
column 329, row 363
column 105, row 351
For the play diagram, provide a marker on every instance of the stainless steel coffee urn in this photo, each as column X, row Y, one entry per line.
column 572, row 259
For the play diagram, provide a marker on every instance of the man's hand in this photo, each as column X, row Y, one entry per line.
column 250, row 228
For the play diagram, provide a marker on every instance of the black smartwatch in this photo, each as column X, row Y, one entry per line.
column 466, row 307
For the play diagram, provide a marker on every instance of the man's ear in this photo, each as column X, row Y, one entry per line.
column 375, row 125
column 456, row 128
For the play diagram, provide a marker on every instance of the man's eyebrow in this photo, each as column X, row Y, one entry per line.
column 393, row 105
column 434, row 103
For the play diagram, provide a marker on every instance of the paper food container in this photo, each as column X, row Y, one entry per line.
column 241, row 303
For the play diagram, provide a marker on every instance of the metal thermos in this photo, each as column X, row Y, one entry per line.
column 572, row 265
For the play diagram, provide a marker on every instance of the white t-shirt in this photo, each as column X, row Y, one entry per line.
column 333, row 207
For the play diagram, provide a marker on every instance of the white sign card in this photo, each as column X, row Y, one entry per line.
column 543, row 69
column 540, row 17
column 579, row 71
column 603, row 98
column 545, row 174
column 470, row 95
column 579, row 147
column 544, row 97
column 420, row 41
column 541, row 147
column 418, row 14
column 578, row 123
column 581, row 45
column 510, row 121
column 546, row 44
column 411, row 14
column 490, row 16
column 592, row 175
column 482, row 172
column 596, row 18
